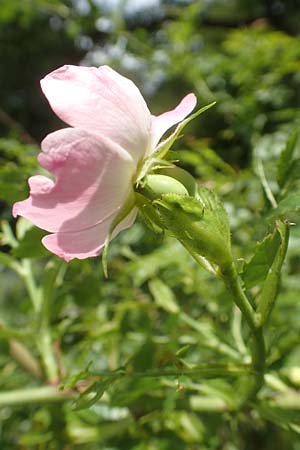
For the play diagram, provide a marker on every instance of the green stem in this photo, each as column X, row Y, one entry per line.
column 233, row 284
column 34, row 395
column 203, row 370
column 44, row 330
column 40, row 302
column 252, row 384
column 29, row 281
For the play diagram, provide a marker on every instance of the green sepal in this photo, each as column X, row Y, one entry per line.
column 200, row 224
column 163, row 148
column 156, row 159
column 123, row 213
column 149, row 213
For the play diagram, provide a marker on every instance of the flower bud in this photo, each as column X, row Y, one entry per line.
column 182, row 176
column 156, row 185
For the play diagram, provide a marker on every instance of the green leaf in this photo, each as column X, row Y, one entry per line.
column 287, row 419
column 71, row 381
column 15, row 156
column 144, row 358
column 265, row 267
column 290, row 204
column 163, row 296
column 286, row 161
column 92, row 394
column 150, row 265
column 256, row 270
column 31, row 246
column 186, row 425
column 270, row 288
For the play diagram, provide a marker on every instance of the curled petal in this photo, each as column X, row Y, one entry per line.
column 161, row 123
column 93, row 180
column 103, row 102
column 86, row 243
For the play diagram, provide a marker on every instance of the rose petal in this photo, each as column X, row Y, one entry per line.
column 103, row 102
column 93, row 180
column 86, row 243
column 161, row 123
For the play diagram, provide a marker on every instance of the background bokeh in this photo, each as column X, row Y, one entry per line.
column 245, row 55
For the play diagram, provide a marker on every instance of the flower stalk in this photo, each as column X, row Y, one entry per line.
column 250, row 385
column 40, row 302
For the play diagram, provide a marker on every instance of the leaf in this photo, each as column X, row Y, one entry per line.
column 287, row 419
column 150, row 265
column 186, row 425
column 256, row 270
column 92, row 394
column 144, row 358
column 270, row 288
column 31, row 246
column 286, row 161
column 163, row 296
column 290, row 204
column 265, row 268
column 13, row 181
column 72, row 380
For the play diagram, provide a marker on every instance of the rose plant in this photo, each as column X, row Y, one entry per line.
column 110, row 163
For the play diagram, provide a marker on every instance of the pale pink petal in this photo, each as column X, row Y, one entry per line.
column 93, row 180
column 161, row 123
column 101, row 101
column 86, row 243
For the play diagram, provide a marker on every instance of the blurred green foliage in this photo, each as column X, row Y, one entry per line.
column 158, row 310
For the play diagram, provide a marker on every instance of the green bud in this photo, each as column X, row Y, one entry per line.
column 182, row 176
column 157, row 185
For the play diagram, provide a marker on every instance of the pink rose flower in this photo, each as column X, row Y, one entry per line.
column 95, row 163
